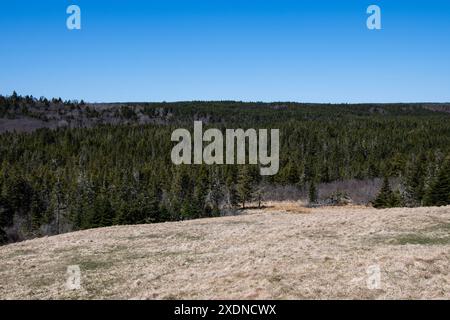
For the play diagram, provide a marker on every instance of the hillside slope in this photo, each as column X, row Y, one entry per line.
column 283, row 252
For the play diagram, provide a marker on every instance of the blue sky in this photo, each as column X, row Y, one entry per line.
column 273, row 50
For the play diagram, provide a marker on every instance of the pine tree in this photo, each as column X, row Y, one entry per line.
column 37, row 209
column 216, row 193
column 102, row 213
column 387, row 198
column 153, row 209
column 180, row 190
column 245, row 185
column 19, row 193
column 6, row 219
column 313, row 197
column 82, row 203
column 396, row 199
column 384, row 196
column 439, row 192
column 57, row 207
column 290, row 173
column 6, row 213
column 3, row 236
column 416, row 181
column 231, row 196
column 188, row 210
column 200, row 193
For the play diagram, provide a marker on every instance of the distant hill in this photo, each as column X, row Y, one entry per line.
column 26, row 113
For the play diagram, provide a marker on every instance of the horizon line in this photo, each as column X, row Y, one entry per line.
column 233, row 100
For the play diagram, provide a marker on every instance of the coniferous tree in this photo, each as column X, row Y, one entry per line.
column 83, row 201
column 313, row 146
column 188, row 210
column 154, row 213
column 3, row 236
column 231, row 193
column 416, row 181
column 216, row 193
column 312, row 193
column 396, row 199
column 102, row 212
column 181, row 193
column 439, row 192
column 386, row 197
column 37, row 209
column 56, row 212
column 200, row 193
column 245, row 185
column 6, row 219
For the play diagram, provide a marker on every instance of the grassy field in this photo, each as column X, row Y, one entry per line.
column 281, row 252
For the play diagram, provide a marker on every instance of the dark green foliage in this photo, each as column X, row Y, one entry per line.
column 3, row 237
column 383, row 198
column 37, row 208
column 397, row 199
column 416, row 178
column 6, row 218
column 387, row 198
column 128, row 113
column 312, row 192
column 245, row 185
column 216, row 193
column 439, row 192
column 68, row 179
column 6, row 213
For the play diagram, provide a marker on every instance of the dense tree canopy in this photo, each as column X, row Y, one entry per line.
column 54, row 181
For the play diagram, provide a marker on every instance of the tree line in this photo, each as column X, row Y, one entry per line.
column 425, row 184
column 55, row 181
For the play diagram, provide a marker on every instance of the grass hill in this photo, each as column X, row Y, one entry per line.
column 282, row 251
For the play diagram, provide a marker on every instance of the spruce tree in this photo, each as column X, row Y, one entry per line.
column 57, row 206
column 180, row 191
column 313, row 197
column 6, row 219
column 188, row 209
column 416, row 181
column 153, row 212
column 201, row 188
column 216, row 193
column 245, row 185
column 384, row 196
column 396, row 199
column 6, row 213
column 36, row 210
column 231, row 196
column 439, row 192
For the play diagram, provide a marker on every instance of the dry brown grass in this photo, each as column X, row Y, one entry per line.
column 281, row 252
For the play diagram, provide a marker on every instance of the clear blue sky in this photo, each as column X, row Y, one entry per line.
column 252, row 50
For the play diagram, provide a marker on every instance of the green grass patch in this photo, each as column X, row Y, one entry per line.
column 20, row 252
column 421, row 239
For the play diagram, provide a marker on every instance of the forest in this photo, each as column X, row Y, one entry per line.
column 110, row 164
